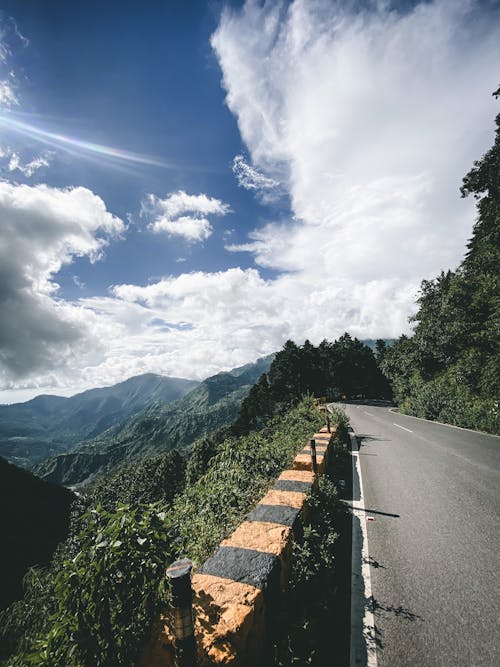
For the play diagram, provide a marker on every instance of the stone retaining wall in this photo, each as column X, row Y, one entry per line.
column 235, row 587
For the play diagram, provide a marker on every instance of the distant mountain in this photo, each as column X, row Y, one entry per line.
column 34, row 518
column 372, row 342
column 215, row 402
column 47, row 425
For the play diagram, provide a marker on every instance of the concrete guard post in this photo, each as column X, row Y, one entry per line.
column 179, row 574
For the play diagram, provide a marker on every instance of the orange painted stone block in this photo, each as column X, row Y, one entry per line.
column 159, row 650
column 298, row 476
column 302, row 462
column 271, row 538
column 290, row 498
column 229, row 620
column 319, row 448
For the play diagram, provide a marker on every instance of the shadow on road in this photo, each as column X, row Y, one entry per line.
column 379, row 608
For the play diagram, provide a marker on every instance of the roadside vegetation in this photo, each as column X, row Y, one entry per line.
column 95, row 602
column 449, row 369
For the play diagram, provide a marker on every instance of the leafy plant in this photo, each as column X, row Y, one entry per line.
column 301, row 632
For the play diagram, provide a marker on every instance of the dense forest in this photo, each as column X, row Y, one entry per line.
column 449, row 369
column 344, row 369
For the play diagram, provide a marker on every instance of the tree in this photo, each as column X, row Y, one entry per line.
column 450, row 368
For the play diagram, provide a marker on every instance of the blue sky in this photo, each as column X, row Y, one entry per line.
column 147, row 82
column 185, row 185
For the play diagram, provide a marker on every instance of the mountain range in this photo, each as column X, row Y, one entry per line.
column 71, row 441
column 47, row 425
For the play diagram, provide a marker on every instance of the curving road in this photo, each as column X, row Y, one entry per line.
column 431, row 514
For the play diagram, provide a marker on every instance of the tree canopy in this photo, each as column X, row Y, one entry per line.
column 450, row 368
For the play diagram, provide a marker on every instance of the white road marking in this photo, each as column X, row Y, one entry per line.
column 403, row 427
column 361, row 585
column 395, row 411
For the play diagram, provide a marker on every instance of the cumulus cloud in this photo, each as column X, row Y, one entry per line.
column 42, row 229
column 180, row 214
column 374, row 116
column 223, row 319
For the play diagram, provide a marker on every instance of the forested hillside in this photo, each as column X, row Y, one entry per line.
column 346, row 368
column 213, row 403
column 449, row 369
column 95, row 604
column 32, row 431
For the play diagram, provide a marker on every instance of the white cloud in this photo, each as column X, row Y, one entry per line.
column 369, row 120
column 42, row 229
column 10, row 38
column 28, row 169
column 168, row 215
column 250, row 178
column 192, row 229
column 8, row 97
column 374, row 116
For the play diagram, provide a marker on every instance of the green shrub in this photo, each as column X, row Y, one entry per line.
column 449, row 399
column 239, row 473
column 303, row 622
column 108, row 593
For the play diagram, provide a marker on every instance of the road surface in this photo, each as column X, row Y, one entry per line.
column 431, row 510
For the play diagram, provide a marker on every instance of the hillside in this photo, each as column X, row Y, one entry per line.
column 34, row 518
column 215, row 402
column 47, row 425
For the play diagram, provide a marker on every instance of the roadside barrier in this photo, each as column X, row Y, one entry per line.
column 234, row 590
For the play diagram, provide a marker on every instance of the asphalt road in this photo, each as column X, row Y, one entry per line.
column 432, row 496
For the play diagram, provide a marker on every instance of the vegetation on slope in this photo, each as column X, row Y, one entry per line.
column 158, row 428
column 94, row 604
column 106, row 584
column 47, row 425
column 345, row 368
column 449, row 369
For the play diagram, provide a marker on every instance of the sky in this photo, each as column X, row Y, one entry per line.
column 186, row 185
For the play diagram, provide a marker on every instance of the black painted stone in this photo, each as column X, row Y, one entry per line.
column 247, row 566
column 319, row 452
column 292, row 485
column 282, row 514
